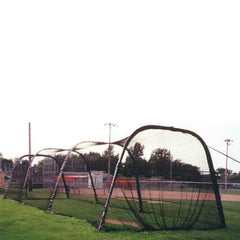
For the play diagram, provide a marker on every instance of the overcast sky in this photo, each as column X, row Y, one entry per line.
column 68, row 67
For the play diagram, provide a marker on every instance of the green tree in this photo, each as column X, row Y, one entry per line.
column 234, row 177
column 185, row 172
column 220, row 172
column 113, row 159
column 38, row 168
column 95, row 161
column 6, row 164
column 162, row 165
column 191, row 173
column 135, row 164
column 75, row 163
column 160, row 162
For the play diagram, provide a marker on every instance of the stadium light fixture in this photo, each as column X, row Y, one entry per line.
column 110, row 125
column 226, row 168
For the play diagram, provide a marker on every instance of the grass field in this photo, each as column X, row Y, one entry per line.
column 24, row 222
column 176, row 213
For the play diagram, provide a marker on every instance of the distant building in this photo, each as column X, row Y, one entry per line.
column 98, row 179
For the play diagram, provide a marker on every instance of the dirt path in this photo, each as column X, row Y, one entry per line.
column 164, row 195
column 230, row 197
column 118, row 222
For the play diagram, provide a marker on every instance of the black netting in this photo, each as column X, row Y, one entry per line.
column 15, row 185
column 158, row 178
column 167, row 179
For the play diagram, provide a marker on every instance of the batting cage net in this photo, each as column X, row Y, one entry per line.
column 15, row 185
column 159, row 178
column 171, row 183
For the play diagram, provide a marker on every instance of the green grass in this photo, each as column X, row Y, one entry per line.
column 175, row 211
column 20, row 222
column 83, row 207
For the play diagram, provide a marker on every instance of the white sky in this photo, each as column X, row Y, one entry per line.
column 70, row 66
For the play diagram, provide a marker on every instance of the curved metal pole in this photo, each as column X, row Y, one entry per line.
column 5, row 195
column 28, row 175
column 63, row 176
column 89, row 171
column 65, row 186
column 30, row 167
column 140, row 203
column 104, row 214
column 91, row 178
column 209, row 160
column 30, row 156
column 74, row 148
column 58, row 180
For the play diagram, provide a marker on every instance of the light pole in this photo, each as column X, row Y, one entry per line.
column 110, row 125
column 30, row 158
column 226, row 168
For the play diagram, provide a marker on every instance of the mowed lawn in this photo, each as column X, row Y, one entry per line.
column 22, row 222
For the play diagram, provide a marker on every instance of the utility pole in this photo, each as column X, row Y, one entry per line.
column 30, row 158
column 171, row 163
column 29, row 141
column 226, row 168
column 110, row 125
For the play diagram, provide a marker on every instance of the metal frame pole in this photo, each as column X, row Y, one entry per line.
column 30, row 183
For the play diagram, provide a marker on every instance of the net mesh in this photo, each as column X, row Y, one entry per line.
column 169, row 181
column 158, row 178
column 15, row 185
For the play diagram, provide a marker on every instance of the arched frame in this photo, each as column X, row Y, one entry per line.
column 156, row 127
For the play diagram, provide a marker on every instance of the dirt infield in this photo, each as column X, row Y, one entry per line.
column 162, row 195
column 230, row 197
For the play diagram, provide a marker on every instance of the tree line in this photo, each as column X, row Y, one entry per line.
column 160, row 164
column 233, row 177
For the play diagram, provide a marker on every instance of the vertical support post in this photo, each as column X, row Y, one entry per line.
column 91, row 179
column 138, row 187
column 171, row 165
column 109, row 150
column 65, row 185
column 30, row 157
column 29, row 140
